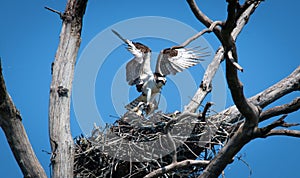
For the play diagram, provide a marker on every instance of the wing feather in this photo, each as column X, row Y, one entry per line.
column 172, row 61
column 133, row 70
column 140, row 64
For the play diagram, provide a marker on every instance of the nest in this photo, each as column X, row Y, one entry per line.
column 135, row 146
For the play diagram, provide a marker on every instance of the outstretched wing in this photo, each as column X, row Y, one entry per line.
column 173, row 60
column 140, row 64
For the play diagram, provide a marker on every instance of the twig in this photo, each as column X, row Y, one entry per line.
column 55, row 11
column 249, row 167
column 178, row 118
column 174, row 147
column 167, row 127
column 207, row 30
column 176, row 166
column 268, row 130
column 273, row 125
column 183, row 143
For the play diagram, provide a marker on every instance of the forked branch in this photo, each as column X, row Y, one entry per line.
column 212, row 68
column 203, row 18
column 282, row 109
column 269, row 129
column 287, row 85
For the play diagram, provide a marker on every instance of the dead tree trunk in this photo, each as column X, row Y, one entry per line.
column 61, row 141
column 11, row 123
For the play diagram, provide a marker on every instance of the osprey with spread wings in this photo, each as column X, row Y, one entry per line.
column 139, row 73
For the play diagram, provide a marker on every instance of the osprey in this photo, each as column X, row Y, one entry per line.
column 138, row 71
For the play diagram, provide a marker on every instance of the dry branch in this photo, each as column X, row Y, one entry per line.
column 11, row 124
column 287, row 85
column 278, row 110
column 176, row 166
column 248, row 110
column 268, row 130
column 290, row 133
column 55, row 11
column 207, row 30
column 202, row 17
column 212, row 68
column 61, row 141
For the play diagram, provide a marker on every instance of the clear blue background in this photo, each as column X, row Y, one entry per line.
column 268, row 50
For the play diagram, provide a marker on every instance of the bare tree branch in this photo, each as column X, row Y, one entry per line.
column 248, row 110
column 55, row 11
column 176, row 166
column 269, row 130
column 207, row 30
column 280, row 89
column 11, row 123
column 227, row 40
column 279, row 110
column 284, row 132
column 230, row 23
column 287, row 85
column 202, row 17
column 61, row 140
column 212, row 68
column 232, row 115
column 206, row 84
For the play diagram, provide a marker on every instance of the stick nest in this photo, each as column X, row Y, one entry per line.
column 134, row 145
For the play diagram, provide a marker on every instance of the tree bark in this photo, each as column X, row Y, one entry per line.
column 61, row 141
column 11, row 123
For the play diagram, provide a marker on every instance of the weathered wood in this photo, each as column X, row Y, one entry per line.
column 244, row 133
column 61, row 141
column 206, row 85
column 11, row 123
column 264, row 98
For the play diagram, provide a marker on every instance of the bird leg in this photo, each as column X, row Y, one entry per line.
column 148, row 94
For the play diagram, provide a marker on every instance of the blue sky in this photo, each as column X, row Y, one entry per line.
column 267, row 48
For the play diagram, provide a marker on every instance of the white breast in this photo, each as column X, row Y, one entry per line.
column 151, row 83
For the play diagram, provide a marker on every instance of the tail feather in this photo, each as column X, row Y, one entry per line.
column 140, row 105
column 134, row 105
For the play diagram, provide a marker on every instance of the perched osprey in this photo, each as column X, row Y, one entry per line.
column 139, row 73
